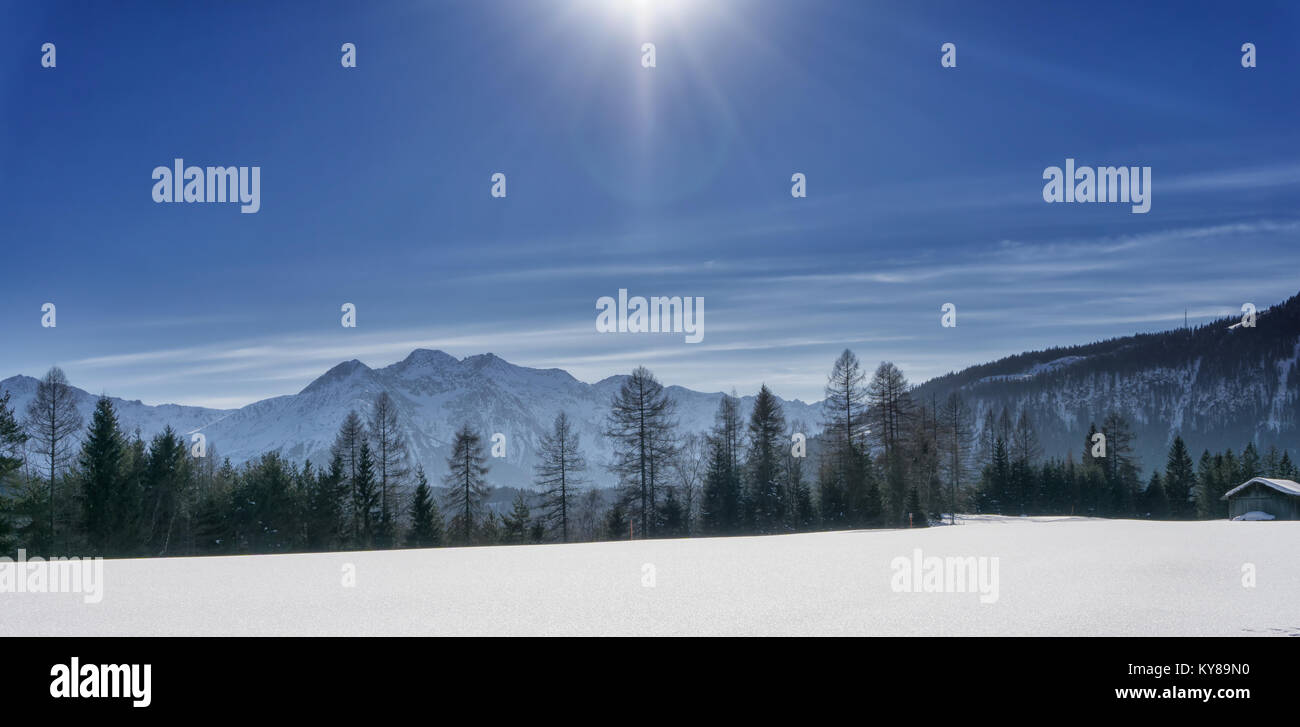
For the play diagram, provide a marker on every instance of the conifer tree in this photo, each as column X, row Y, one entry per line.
column 689, row 465
column 995, row 489
column 671, row 516
column 426, row 520
column 616, row 522
column 347, row 448
column 720, row 506
column 766, row 435
column 102, row 453
column 1157, row 501
column 915, row 513
column 213, row 526
column 52, row 423
column 1251, row 465
column 365, row 497
column 832, row 498
column 388, row 446
column 466, row 480
column 1179, row 480
column 640, row 424
column 844, row 417
column 1270, row 463
column 12, row 439
column 326, row 504
column 890, row 409
column 559, row 474
column 167, row 476
column 1208, row 486
column 1286, row 469
column 956, row 427
column 514, row 526
column 844, row 408
column 1121, row 470
column 801, row 513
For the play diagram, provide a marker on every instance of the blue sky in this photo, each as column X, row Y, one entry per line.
column 924, row 183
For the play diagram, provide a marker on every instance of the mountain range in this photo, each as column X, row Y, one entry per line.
column 1219, row 385
column 435, row 394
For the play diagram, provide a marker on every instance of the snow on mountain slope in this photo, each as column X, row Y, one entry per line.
column 435, row 394
column 132, row 415
column 1217, row 386
column 1036, row 369
column 1055, row 577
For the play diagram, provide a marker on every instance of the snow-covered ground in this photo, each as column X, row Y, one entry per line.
column 1056, row 576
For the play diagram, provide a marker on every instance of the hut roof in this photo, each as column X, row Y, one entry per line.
column 1286, row 487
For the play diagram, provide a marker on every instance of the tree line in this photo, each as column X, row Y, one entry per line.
column 882, row 459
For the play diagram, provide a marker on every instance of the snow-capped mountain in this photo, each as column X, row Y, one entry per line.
column 133, row 415
column 1220, row 385
column 435, row 394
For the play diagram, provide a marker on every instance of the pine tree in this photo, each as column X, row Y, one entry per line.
column 388, row 446
column 1208, row 486
column 671, row 516
column 1121, row 471
column 1286, row 469
column 987, row 435
column 132, row 538
column 640, row 424
column 721, row 506
column 213, row 521
column 890, row 408
column 766, row 435
column 52, row 424
column 426, row 520
column 489, row 529
column 347, row 448
column 801, row 515
column 616, row 522
column 326, row 505
column 844, row 413
column 266, row 502
column 832, row 499
column 102, row 454
column 915, row 513
column 1179, row 480
column 689, row 464
column 996, row 485
column 365, row 497
column 1088, row 459
column 1157, row 502
column 558, row 473
column 956, row 428
column 12, row 439
column 514, row 526
column 1251, row 465
column 167, row 475
column 1271, row 460
column 467, row 481
column 844, row 409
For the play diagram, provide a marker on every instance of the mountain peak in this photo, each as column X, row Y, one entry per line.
column 427, row 357
column 340, row 372
column 15, row 383
column 484, row 360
